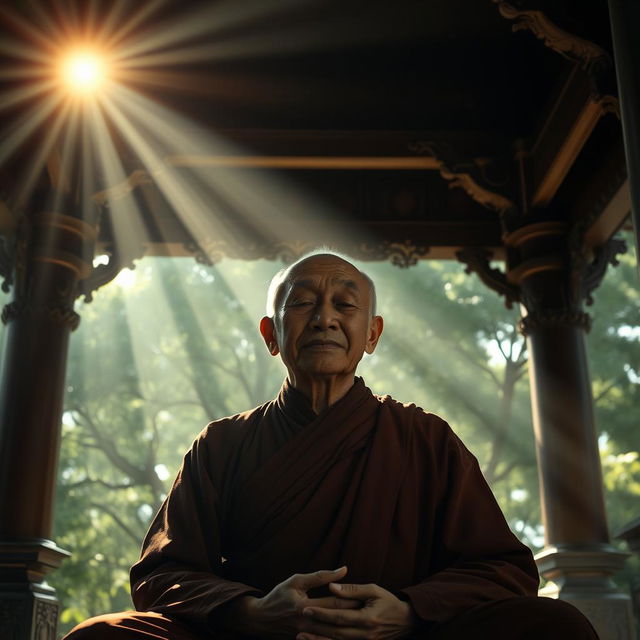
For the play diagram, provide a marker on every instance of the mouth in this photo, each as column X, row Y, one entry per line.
column 322, row 344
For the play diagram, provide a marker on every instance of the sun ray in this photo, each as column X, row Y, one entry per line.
column 210, row 20
column 115, row 34
column 43, row 154
column 25, row 52
column 25, row 126
column 127, row 227
column 41, row 41
column 263, row 202
column 24, row 94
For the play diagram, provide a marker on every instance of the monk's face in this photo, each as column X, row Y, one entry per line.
column 323, row 323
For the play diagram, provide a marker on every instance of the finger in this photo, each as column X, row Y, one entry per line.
column 306, row 581
column 331, row 602
column 356, row 591
column 333, row 632
column 338, row 617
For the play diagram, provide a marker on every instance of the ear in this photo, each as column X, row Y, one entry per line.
column 268, row 332
column 375, row 331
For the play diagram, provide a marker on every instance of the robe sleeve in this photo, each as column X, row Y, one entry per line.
column 475, row 557
column 180, row 568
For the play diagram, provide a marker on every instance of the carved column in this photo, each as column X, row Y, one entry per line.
column 550, row 276
column 553, row 277
column 625, row 17
column 52, row 252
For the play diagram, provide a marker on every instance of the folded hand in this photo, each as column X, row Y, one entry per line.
column 381, row 615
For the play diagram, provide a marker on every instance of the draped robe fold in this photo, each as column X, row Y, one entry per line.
column 384, row 488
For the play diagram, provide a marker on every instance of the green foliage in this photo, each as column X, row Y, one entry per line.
column 167, row 348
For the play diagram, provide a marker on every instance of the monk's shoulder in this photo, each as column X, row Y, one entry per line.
column 223, row 436
column 233, row 428
column 423, row 425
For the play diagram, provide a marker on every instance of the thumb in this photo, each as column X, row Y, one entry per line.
column 306, row 581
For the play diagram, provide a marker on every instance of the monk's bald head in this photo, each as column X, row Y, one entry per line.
column 285, row 276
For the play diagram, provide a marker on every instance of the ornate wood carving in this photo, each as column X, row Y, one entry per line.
column 464, row 180
column 24, row 616
column 7, row 257
column 553, row 318
column 45, row 620
column 578, row 270
column 478, row 261
column 60, row 313
column 572, row 47
column 588, row 269
column 401, row 254
column 32, row 246
column 104, row 273
column 592, row 58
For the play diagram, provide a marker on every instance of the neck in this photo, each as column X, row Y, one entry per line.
column 323, row 392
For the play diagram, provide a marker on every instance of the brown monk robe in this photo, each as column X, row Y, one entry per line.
column 328, row 475
column 384, row 488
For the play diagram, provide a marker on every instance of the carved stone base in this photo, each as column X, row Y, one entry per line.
column 28, row 606
column 29, row 615
column 581, row 575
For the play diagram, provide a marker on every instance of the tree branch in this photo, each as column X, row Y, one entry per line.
column 108, row 485
column 134, row 536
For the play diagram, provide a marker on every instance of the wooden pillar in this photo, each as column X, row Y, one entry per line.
column 625, row 18
column 53, row 252
column 552, row 277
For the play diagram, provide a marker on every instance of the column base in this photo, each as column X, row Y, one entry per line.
column 582, row 576
column 28, row 605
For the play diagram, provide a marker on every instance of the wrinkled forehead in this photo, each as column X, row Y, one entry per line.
column 312, row 271
column 328, row 269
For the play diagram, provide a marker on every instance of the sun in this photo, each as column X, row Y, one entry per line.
column 83, row 71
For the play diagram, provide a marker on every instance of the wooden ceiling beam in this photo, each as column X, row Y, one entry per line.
column 565, row 131
column 611, row 219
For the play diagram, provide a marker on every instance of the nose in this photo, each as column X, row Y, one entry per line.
column 323, row 318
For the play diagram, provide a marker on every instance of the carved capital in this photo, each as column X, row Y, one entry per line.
column 553, row 318
column 57, row 313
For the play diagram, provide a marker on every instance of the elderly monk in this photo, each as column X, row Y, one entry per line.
column 329, row 512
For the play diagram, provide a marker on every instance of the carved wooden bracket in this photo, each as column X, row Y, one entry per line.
column 572, row 47
column 588, row 270
column 592, row 58
column 104, row 273
column 478, row 261
column 464, row 180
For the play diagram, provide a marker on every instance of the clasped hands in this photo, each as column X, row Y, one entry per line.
column 354, row 611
